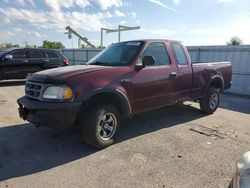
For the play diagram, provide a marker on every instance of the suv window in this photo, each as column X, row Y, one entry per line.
column 159, row 52
column 52, row 55
column 179, row 54
column 37, row 54
column 19, row 54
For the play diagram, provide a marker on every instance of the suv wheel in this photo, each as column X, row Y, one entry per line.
column 211, row 101
column 100, row 125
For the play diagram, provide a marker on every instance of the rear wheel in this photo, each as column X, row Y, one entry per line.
column 100, row 125
column 211, row 101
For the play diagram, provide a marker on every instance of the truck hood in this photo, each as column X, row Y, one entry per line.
column 70, row 71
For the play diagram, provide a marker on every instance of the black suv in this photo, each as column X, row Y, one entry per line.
column 17, row 63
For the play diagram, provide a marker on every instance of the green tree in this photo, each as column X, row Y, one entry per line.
column 235, row 41
column 83, row 46
column 8, row 45
column 15, row 46
column 52, row 45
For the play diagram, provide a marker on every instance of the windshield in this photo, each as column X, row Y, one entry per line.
column 120, row 54
column 4, row 52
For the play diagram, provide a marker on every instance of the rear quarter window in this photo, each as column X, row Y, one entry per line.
column 179, row 54
column 52, row 55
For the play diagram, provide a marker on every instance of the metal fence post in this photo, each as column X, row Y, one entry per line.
column 74, row 57
column 87, row 54
column 198, row 55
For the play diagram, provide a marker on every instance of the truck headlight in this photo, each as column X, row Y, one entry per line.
column 243, row 171
column 58, row 92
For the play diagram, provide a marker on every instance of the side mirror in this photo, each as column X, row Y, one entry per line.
column 8, row 57
column 148, row 60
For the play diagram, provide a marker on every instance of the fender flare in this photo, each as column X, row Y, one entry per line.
column 213, row 78
column 125, row 103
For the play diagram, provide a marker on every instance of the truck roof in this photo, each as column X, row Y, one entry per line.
column 154, row 40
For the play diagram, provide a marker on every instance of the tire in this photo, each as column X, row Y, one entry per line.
column 100, row 125
column 210, row 102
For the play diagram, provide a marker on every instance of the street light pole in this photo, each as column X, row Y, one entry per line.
column 102, row 37
column 119, row 33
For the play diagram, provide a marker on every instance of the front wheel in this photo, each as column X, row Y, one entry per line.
column 100, row 125
column 211, row 101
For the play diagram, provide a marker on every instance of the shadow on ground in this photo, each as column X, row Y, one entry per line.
column 26, row 150
column 12, row 83
column 235, row 103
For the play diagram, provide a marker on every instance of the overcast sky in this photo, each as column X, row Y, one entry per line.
column 195, row 22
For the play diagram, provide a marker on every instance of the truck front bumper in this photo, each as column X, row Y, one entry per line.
column 49, row 114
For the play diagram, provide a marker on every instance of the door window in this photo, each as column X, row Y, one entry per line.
column 52, row 55
column 34, row 54
column 179, row 54
column 159, row 52
column 19, row 54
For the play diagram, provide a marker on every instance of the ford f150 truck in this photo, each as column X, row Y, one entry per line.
column 124, row 79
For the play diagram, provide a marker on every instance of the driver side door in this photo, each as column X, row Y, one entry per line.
column 154, row 86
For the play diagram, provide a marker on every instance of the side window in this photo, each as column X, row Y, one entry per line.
column 37, row 54
column 159, row 52
column 179, row 54
column 19, row 54
column 52, row 55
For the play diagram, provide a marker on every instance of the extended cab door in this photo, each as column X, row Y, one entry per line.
column 183, row 61
column 14, row 65
column 154, row 86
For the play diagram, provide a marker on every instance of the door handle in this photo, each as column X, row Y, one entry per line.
column 46, row 60
column 25, row 61
column 173, row 75
column 125, row 80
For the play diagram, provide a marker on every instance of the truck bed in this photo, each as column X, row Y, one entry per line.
column 202, row 73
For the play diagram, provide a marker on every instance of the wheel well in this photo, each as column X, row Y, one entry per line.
column 217, row 83
column 118, row 101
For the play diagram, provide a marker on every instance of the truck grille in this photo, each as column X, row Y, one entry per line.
column 33, row 90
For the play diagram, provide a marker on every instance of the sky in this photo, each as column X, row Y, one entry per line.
column 194, row 22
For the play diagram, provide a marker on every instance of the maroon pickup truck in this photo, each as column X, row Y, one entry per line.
column 124, row 79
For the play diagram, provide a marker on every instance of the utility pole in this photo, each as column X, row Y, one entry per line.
column 26, row 44
column 119, row 30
